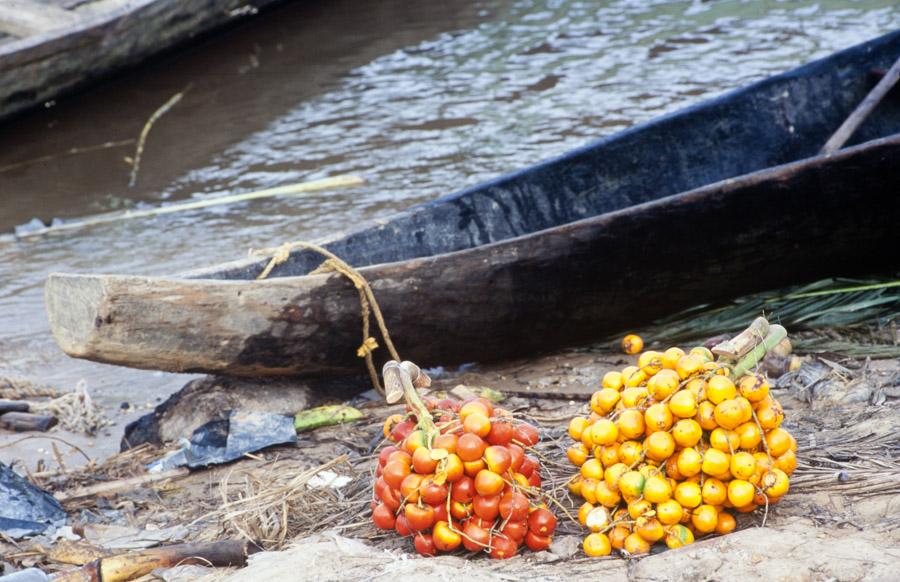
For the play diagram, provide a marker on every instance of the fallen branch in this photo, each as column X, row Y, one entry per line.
column 134, row 565
column 312, row 186
column 120, row 486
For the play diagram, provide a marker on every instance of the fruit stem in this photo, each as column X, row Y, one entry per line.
column 751, row 360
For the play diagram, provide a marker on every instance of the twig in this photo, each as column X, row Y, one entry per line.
column 69, row 152
column 163, row 109
column 36, row 436
column 122, row 485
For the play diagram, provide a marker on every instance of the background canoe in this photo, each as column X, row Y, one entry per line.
column 820, row 217
column 48, row 47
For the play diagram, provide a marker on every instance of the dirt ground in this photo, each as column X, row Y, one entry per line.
column 838, row 522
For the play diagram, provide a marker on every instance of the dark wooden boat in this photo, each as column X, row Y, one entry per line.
column 724, row 198
column 48, row 47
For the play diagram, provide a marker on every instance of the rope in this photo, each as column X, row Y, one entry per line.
column 367, row 302
column 16, row 389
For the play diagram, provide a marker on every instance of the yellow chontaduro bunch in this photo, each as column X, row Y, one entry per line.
column 672, row 447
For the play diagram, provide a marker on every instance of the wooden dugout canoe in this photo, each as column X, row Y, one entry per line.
column 48, row 47
column 615, row 234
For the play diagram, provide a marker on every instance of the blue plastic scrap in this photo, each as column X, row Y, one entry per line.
column 26, row 510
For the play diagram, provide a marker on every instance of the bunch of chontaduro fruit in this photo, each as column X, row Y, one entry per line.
column 672, row 448
column 471, row 483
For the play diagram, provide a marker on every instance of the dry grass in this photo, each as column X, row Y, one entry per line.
column 273, row 504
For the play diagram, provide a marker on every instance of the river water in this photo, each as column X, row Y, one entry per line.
column 419, row 98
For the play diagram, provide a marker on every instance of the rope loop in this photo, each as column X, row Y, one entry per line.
column 367, row 303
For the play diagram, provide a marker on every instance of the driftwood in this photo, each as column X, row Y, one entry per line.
column 26, row 421
column 862, row 112
column 120, row 486
column 134, row 565
column 13, row 406
column 559, row 287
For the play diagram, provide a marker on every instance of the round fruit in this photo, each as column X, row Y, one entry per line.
column 743, row 465
column 631, row 424
column 753, row 387
column 740, row 492
column 728, row 414
column 604, row 432
column 683, row 404
column 503, row 548
column 488, row 483
column 613, row 380
column 486, row 507
column 420, row 517
column 687, row 432
column 689, row 462
column 720, row 388
column 475, row 538
column 678, row 536
column 714, row 492
column 424, row 544
column 597, row 544
column 542, row 521
column 536, row 542
column 632, row 344
column 688, row 494
column 688, row 365
column 445, row 539
column 657, row 418
column 497, row 459
column 725, row 524
column 470, row 447
column 705, row 518
column 715, row 462
column 669, row 512
column 635, row 544
column 383, row 517
column 650, row 362
column 514, row 506
column 478, row 424
column 631, row 485
column 778, row 441
column 577, row 454
column 577, row 426
column 422, row 461
column 605, row 400
column 659, row 446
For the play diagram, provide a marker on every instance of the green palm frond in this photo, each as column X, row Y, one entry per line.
column 872, row 304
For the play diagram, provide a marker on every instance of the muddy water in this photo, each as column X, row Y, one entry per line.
column 419, row 98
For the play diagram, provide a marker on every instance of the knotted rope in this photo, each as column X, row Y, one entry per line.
column 367, row 302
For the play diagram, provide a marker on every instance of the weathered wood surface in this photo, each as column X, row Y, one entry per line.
column 825, row 216
column 96, row 39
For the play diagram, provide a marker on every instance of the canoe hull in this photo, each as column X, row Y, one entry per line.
column 821, row 217
column 778, row 120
